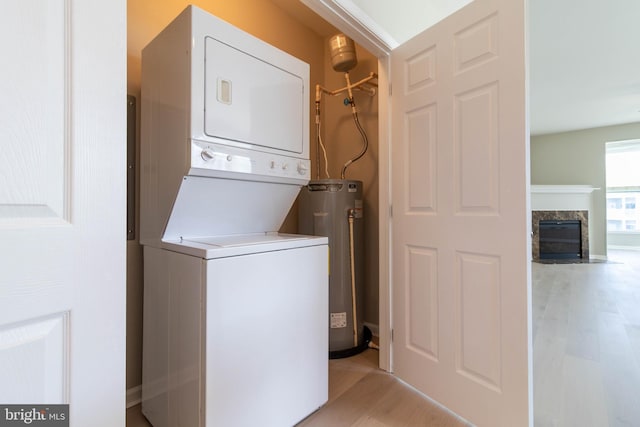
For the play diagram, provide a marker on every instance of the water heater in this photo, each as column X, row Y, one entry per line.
column 334, row 208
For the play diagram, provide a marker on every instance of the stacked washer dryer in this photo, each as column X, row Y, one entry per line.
column 235, row 314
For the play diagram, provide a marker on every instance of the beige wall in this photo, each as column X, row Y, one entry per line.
column 578, row 157
column 268, row 22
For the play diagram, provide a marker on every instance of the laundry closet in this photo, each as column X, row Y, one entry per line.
column 341, row 137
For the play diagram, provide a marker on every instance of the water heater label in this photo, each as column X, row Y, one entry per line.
column 338, row 320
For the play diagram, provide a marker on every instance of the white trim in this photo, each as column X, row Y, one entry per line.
column 134, row 396
column 568, row 189
column 598, row 257
column 624, row 146
column 385, row 359
column 349, row 18
column 624, row 248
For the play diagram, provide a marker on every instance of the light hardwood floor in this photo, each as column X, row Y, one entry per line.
column 361, row 395
column 586, row 329
column 586, row 362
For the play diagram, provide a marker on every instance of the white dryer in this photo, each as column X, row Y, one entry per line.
column 235, row 314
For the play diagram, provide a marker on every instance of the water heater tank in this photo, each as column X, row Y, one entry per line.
column 343, row 53
column 324, row 208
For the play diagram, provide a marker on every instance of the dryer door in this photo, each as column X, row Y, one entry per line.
column 249, row 100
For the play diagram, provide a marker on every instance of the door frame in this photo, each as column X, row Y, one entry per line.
column 362, row 29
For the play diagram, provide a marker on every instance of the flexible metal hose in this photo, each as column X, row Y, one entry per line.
column 365, row 140
column 317, row 139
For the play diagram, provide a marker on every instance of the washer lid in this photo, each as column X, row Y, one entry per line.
column 242, row 244
column 246, row 239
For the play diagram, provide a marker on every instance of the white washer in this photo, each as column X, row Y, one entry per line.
column 235, row 331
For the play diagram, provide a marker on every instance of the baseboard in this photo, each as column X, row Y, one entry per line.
column 134, row 396
column 624, row 248
column 598, row 257
column 375, row 329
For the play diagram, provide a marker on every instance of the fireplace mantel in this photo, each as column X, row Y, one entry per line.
column 563, row 189
column 561, row 197
column 562, row 202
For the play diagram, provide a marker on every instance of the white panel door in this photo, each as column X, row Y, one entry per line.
column 62, row 207
column 460, row 214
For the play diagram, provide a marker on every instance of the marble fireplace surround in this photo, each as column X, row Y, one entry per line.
column 579, row 215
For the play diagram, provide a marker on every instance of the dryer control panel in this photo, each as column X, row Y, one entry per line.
column 209, row 159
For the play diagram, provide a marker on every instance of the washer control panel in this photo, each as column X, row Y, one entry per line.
column 223, row 158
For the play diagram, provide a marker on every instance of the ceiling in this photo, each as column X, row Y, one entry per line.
column 584, row 61
column 584, row 64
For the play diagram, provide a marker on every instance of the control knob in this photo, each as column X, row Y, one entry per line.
column 302, row 168
column 207, row 154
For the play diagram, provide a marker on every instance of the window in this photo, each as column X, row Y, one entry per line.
column 623, row 186
column 630, row 203
column 614, row 225
column 614, row 203
column 622, row 214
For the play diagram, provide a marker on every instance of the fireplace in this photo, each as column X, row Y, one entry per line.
column 560, row 239
column 561, row 235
